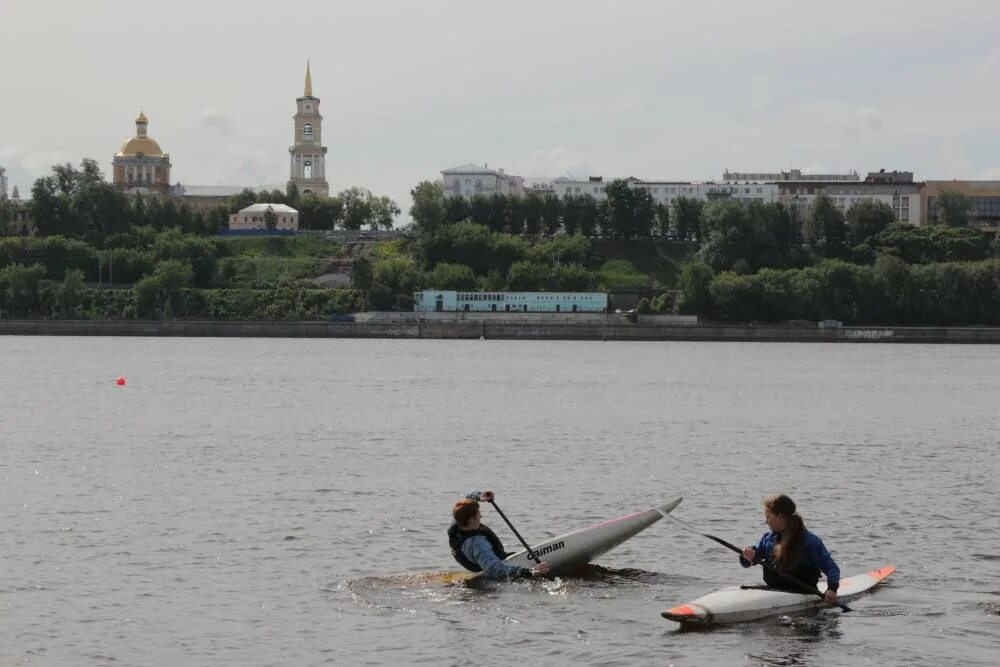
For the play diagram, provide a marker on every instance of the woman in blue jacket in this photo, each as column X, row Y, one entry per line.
column 791, row 549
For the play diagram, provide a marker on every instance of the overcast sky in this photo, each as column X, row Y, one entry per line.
column 659, row 89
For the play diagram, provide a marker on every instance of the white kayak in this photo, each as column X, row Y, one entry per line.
column 582, row 546
column 739, row 604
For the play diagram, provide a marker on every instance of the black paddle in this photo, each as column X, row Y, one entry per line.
column 531, row 554
column 763, row 563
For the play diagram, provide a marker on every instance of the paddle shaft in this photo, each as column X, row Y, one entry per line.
column 531, row 554
column 763, row 563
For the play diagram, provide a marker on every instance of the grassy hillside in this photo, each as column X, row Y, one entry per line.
column 661, row 260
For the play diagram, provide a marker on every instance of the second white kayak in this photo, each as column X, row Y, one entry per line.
column 739, row 604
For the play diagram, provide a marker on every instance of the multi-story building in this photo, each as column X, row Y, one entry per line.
column 471, row 179
column 984, row 200
column 3, row 183
column 895, row 189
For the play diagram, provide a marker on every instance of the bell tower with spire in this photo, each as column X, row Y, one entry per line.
column 307, row 152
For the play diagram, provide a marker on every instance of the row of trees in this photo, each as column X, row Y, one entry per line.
column 627, row 213
column 632, row 213
column 80, row 204
column 890, row 291
column 748, row 237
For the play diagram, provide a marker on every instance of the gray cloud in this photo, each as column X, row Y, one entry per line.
column 660, row 88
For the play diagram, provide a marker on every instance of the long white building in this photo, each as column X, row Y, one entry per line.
column 792, row 188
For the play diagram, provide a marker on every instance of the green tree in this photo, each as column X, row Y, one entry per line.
column 661, row 223
column 695, row 282
column 322, row 213
column 730, row 236
column 398, row 274
column 621, row 210
column 451, row 276
column 589, row 214
column 825, row 228
column 71, row 293
column 240, row 201
column 357, row 207
column 534, row 210
column 428, row 210
column 498, row 218
column 20, row 289
column 687, row 216
column 573, row 278
column 197, row 252
column 270, row 218
column 479, row 209
column 867, row 219
column 292, row 195
column 525, row 276
column 362, row 276
column 954, row 209
column 552, row 210
column 456, row 209
column 384, row 212
column 173, row 275
column 572, row 213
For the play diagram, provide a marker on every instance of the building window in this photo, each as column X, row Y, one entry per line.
column 307, row 131
column 307, row 169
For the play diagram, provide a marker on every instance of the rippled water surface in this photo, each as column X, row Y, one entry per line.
column 283, row 502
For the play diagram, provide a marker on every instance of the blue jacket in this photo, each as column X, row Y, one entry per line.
column 479, row 550
column 814, row 554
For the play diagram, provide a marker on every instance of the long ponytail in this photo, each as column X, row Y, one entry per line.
column 787, row 552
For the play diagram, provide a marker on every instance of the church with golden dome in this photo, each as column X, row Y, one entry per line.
column 141, row 166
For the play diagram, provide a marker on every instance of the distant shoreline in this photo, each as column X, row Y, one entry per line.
column 458, row 329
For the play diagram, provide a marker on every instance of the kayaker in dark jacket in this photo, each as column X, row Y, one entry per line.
column 477, row 548
column 791, row 549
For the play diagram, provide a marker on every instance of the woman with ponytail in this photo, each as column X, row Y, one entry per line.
column 791, row 549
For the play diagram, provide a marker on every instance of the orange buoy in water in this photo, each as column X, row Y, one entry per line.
column 120, row 381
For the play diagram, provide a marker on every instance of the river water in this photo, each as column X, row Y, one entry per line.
column 284, row 502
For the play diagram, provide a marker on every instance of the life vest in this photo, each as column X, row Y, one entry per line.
column 803, row 570
column 457, row 537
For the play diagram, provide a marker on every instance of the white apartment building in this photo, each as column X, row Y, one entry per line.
column 903, row 198
column 3, row 183
column 471, row 179
column 667, row 192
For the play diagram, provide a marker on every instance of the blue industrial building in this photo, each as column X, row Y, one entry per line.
column 448, row 301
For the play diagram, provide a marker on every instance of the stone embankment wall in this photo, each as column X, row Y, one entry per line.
column 610, row 327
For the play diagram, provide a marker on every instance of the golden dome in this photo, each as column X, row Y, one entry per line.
column 141, row 142
column 144, row 145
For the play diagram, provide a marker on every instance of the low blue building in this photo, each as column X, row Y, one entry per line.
column 449, row 301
